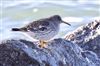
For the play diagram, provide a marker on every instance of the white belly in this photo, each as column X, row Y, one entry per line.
column 47, row 36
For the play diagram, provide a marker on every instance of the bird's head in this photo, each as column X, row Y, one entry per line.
column 58, row 19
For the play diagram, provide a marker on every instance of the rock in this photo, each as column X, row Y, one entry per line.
column 87, row 37
column 59, row 52
column 11, row 54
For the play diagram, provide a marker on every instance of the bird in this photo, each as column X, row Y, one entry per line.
column 43, row 29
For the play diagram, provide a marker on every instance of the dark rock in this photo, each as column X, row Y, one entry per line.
column 59, row 52
column 87, row 37
column 11, row 54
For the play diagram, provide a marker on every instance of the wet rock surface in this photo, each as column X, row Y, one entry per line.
column 87, row 37
column 12, row 55
column 59, row 52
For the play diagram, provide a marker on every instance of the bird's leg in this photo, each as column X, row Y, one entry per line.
column 42, row 44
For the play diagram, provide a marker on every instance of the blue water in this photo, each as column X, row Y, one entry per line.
column 16, row 13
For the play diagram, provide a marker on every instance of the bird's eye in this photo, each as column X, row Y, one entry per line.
column 42, row 28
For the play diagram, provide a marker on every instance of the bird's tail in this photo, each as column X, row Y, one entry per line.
column 16, row 29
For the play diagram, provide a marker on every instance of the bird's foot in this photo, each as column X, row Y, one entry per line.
column 42, row 44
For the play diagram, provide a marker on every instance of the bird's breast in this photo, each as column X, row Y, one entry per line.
column 48, row 34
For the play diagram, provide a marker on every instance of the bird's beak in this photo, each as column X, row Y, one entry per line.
column 66, row 23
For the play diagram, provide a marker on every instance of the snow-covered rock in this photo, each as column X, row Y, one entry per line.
column 87, row 37
column 59, row 52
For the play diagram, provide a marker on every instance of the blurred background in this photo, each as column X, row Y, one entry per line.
column 17, row 13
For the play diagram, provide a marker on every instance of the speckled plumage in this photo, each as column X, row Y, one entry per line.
column 43, row 29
